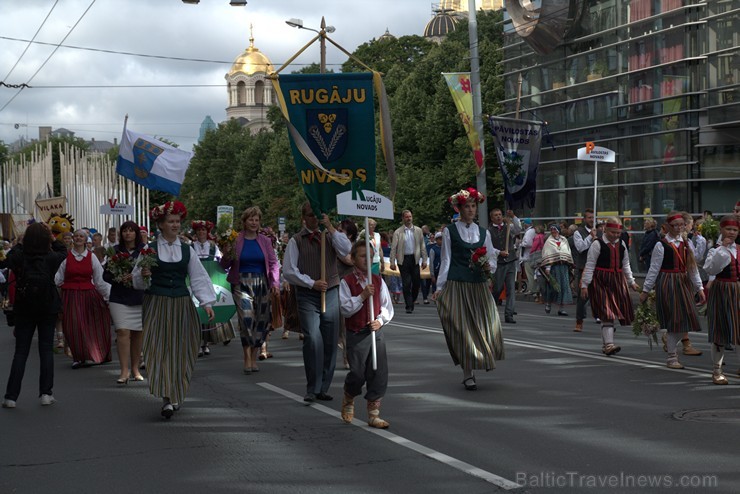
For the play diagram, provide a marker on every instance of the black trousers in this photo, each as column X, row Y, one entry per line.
column 411, row 279
column 25, row 327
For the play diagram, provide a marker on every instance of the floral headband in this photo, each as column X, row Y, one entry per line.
column 198, row 224
column 169, row 207
column 460, row 198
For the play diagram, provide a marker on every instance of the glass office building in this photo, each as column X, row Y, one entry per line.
column 654, row 80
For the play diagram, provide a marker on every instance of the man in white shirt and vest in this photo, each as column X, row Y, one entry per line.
column 407, row 248
column 302, row 268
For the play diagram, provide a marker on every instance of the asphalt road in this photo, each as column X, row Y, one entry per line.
column 555, row 415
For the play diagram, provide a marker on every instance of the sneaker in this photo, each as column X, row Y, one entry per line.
column 47, row 400
column 8, row 403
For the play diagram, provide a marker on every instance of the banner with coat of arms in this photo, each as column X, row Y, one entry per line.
column 462, row 94
column 517, row 144
column 331, row 121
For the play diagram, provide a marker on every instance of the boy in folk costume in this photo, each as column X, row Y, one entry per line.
column 605, row 278
column 354, row 290
column 675, row 277
column 723, row 309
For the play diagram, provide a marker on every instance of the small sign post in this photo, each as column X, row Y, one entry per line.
column 596, row 154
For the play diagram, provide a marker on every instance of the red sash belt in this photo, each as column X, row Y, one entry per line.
column 672, row 271
column 611, row 270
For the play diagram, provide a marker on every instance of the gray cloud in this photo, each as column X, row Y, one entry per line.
column 212, row 30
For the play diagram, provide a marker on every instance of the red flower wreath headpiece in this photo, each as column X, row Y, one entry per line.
column 169, row 207
column 198, row 224
column 460, row 198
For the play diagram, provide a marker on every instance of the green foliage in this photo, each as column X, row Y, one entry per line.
column 432, row 153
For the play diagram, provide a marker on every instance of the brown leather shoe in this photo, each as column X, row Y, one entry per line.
column 690, row 350
column 611, row 349
column 719, row 378
column 579, row 326
column 674, row 364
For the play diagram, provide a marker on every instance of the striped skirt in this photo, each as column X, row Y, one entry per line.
column 561, row 274
column 218, row 333
column 723, row 312
column 610, row 297
column 674, row 303
column 471, row 325
column 86, row 325
column 171, row 340
column 252, row 298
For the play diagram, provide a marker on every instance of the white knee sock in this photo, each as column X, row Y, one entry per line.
column 467, row 373
column 607, row 334
column 672, row 341
column 718, row 354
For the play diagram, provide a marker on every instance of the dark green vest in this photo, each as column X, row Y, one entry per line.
column 168, row 278
column 460, row 257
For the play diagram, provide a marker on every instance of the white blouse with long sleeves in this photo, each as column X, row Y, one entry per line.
column 656, row 261
column 204, row 249
column 593, row 256
column 349, row 305
column 718, row 258
column 200, row 282
column 470, row 233
column 102, row 286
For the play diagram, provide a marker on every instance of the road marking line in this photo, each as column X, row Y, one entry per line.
column 402, row 441
column 693, row 371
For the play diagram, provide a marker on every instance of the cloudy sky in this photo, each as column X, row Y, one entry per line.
column 89, row 91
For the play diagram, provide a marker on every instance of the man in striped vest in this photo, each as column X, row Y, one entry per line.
column 302, row 268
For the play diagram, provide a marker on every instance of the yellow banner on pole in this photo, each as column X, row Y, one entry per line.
column 462, row 94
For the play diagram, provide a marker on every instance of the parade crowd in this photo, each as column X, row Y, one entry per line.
column 158, row 293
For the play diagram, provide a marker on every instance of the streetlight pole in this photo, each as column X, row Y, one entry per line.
column 477, row 108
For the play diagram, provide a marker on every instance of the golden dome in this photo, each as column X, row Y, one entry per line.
column 251, row 61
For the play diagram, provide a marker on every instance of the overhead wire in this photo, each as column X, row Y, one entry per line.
column 50, row 55
column 31, row 41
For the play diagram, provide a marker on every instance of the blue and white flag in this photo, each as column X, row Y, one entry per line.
column 152, row 163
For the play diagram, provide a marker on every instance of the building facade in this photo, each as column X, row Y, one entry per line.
column 654, row 80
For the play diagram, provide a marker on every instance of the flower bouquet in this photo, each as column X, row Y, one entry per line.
column 646, row 320
column 478, row 260
column 225, row 234
column 147, row 259
column 119, row 264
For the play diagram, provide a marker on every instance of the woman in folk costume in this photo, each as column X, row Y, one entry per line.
column 723, row 311
column 604, row 282
column 254, row 272
column 172, row 333
column 556, row 262
column 465, row 305
column 675, row 277
column 208, row 252
column 85, row 317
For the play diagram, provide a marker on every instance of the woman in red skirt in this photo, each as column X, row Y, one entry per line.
column 85, row 317
column 604, row 282
column 723, row 309
column 675, row 277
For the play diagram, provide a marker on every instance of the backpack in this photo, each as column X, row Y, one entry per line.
column 34, row 286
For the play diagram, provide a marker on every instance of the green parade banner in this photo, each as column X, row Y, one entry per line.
column 331, row 119
column 224, row 308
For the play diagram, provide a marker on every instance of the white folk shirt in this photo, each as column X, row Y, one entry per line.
column 408, row 240
column 656, row 261
column 200, row 282
column 718, row 258
column 470, row 233
column 593, row 256
column 526, row 244
column 582, row 244
column 349, row 305
column 102, row 286
column 204, row 249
